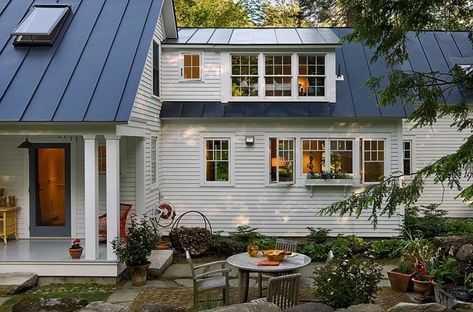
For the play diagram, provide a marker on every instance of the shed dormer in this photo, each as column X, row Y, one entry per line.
column 252, row 65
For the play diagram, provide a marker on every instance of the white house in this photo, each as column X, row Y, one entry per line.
column 115, row 104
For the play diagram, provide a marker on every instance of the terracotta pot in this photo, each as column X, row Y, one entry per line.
column 400, row 281
column 421, row 288
column 138, row 274
column 75, row 253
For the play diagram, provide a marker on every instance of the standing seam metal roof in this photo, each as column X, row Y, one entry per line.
column 92, row 72
column 430, row 51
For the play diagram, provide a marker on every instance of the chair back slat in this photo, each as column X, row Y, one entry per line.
column 283, row 290
column 189, row 260
column 285, row 244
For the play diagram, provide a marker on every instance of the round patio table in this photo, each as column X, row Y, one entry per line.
column 246, row 264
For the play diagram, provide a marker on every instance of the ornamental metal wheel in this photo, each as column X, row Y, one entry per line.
column 162, row 216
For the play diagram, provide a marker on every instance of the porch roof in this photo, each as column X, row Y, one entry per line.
column 91, row 73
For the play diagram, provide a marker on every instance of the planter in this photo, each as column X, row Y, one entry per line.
column 138, row 274
column 400, row 281
column 75, row 253
column 421, row 288
column 445, row 298
column 329, row 182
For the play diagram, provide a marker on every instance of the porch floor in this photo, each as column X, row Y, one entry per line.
column 48, row 250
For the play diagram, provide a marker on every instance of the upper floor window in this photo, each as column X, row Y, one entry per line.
column 281, row 160
column 278, row 75
column 217, row 160
column 155, row 68
column 311, row 79
column 191, row 68
column 244, row 75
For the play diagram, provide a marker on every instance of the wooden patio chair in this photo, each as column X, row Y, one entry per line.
column 283, row 291
column 208, row 280
column 284, row 244
column 124, row 210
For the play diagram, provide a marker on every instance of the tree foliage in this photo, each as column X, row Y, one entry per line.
column 284, row 13
column 211, row 13
column 384, row 25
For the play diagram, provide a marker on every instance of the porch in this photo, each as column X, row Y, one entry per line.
column 50, row 257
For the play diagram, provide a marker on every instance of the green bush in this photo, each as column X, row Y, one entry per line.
column 459, row 227
column 425, row 222
column 245, row 234
column 446, row 272
column 317, row 235
column 316, row 252
column 341, row 246
column 346, row 282
column 386, row 248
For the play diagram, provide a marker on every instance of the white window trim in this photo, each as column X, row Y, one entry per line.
column 330, row 78
column 159, row 69
column 231, row 159
column 236, row 98
column 181, row 66
column 387, row 157
column 268, row 160
column 153, row 184
column 300, row 97
column 410, row 138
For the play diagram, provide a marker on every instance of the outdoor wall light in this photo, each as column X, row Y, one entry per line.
column 26, row 144
column 249, row 140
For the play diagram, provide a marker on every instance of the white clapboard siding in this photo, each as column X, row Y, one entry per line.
column 274, row 210
column 145, row 115
column 175, row 89
column 430, row 144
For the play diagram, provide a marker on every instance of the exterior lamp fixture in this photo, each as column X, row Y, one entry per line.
column 26, row 144
column 249, row 140
column 339, row 73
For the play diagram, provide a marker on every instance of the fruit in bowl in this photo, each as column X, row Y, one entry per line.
column 275, row 254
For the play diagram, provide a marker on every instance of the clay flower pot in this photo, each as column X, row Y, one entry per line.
column 75, row 252
column 421, row 288
column 400, row 281
column 138, row 274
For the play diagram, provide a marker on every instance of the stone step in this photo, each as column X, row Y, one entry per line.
column 160, row 261
column 11, row 283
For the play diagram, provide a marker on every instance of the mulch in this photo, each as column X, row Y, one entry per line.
column 182, row 297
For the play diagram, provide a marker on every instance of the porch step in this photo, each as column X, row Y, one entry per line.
column 11, row 283
column 160, row 261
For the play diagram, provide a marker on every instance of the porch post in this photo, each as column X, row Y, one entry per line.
column 113, row 192
column 91, row 198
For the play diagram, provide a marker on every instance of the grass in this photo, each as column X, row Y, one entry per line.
column 84, row 292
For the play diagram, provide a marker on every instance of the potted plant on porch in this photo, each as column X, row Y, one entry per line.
column 135, row 250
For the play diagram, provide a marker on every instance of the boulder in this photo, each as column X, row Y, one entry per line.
column 465, row 253
column 148, row 307
column 102, row 306
column 249, row 307
column 445, row 241
column 362, row 308
column 310, row 307
column 412, row 307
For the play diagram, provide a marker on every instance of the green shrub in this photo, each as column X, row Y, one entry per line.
column 447, row 272
column 459, row 227
column 386, row 248
column 341, row 246
column 245, row 234
column 346, row 282
column 425, row 222
column 317, row 235
column 316, row 252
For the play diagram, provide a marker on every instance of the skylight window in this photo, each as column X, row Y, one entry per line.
column 41, row 26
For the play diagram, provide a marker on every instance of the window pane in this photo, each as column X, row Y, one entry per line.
column 195, row 72
column 195, row 60
column 341, row 162
column 41, row 20
column 187, row 73
column 187, row 60
column 320, row 60
column 314, row 161
column 373, row 171
column 236, row 70
column 407, row 166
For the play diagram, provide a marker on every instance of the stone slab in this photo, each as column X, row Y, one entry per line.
column 160, row 261
column 11, row 283
column 3, row 300
column 124, row 295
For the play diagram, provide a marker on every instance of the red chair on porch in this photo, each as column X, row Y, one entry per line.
column 124, row 210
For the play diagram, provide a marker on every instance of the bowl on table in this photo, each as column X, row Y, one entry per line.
column 275, row 254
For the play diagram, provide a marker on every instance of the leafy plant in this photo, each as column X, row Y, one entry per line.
column 328, row 175
column 76, row 244
column 346, row 282
column 317, row 235
column 459, row 227
column 427, row 221
column 447, row 272
column 405, row 267
column 386, row 248
column 341, row 246
column 141, row 239
column 245, row 234
column 316, row 252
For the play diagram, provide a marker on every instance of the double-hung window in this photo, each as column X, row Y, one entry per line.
column 281, row 160
column 191, row 66
column 311, row 79
column 372, row 160
column 217, row 160
column 278, row 75
column 244, row 75
column 407, row 159
column 341, row 156
column 155, row 68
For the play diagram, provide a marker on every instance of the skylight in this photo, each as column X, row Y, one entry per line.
column 41, row 26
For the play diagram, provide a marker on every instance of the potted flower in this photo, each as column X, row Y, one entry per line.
column 329, row 178
column 401, row 276
column 134, row 252
column 422, row 282
column 76, row 249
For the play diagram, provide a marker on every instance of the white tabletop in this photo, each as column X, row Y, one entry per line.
column 243, row 261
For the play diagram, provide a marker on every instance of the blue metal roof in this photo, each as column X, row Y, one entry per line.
column 92, row 72
column 252, row 36
column 430, row 51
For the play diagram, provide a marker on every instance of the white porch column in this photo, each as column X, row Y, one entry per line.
column 113, row 192
column 91, row 192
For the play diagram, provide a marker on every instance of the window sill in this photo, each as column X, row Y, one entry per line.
column 281, row 184
column 329, row 182
column 217, row 184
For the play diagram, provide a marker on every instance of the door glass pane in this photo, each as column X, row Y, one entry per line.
column 51, row 187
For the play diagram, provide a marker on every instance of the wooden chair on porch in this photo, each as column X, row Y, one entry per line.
column 124, row 210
